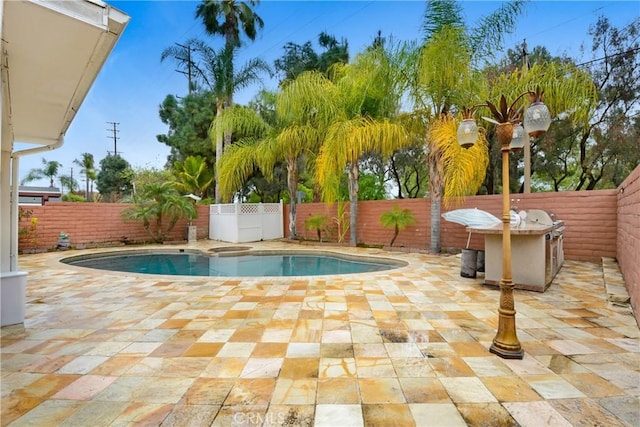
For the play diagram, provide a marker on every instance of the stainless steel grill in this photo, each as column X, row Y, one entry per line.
column 554, row 239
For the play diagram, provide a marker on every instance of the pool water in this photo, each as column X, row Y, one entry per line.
column 188, row 264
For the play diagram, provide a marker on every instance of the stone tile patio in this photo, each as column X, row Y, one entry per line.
column 404, row 347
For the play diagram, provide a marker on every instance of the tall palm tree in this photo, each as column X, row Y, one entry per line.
column 367, row 103
column 443, row 78
column 448, row 80
column 49, row 170
column 302, row 110
column 214, row 72
column 68, row 181
column 227, row 17
column 91, row 177
column 210, row 69
column 230, row 19
column 88, row 168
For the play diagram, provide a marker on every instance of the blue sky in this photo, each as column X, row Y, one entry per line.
column 134, row 82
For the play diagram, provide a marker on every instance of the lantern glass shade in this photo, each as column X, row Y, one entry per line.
column 537, row 119
column 519, row 138
column 467, row 133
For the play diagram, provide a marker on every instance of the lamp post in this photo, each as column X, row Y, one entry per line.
column 511, row 137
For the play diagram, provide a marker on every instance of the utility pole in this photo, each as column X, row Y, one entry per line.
column 525, row 56
column 188, row 73
column 114, row 131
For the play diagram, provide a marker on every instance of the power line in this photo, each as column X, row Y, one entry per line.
column 189, row 72
column 635, row 49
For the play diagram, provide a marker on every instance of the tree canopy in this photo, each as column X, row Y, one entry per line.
column 114, row 180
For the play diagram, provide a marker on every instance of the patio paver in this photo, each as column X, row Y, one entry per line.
column 406, row 347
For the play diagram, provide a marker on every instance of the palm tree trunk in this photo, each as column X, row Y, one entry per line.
column 396, row 230
column 292, row 186
column 436, row 187
column 354, row 175
column 86, row 196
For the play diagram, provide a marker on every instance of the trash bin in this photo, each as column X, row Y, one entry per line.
column 469, row 263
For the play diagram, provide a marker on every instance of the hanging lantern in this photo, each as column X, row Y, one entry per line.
column 467, row 133
column 519, row 138
column 537, row 118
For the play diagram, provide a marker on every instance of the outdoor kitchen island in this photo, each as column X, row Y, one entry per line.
column 536, row 253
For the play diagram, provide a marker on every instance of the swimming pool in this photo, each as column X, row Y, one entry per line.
column 250, row 264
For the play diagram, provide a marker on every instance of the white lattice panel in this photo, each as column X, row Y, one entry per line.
column 249, row 209
column 272, row 208
column 250, row 222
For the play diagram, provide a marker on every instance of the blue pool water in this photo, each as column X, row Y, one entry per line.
column 189, row 264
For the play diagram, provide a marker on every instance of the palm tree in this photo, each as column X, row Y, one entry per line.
column 159, row 206
column 91, row 177
column 448, row 80
column 302, row 110
column 68, row 181
column 227, row 17
column 49, row 170
column 193, row 176
column 444, row 80
column 367, row 100
column 88, row 168
column 214, row 72
column 211, row 69
column 398, row 219
column 442, row 77
column 318, row 223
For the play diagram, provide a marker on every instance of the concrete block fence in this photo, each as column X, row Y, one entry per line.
column 94, row 224
column 590, row 218
column 628, row 236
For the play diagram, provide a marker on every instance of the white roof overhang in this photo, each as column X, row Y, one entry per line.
column 52, row 53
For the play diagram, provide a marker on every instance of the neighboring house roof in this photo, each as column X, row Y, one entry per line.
column 26, row 189
column 53, row 53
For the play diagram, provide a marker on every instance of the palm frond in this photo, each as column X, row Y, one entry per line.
column 444, row 75
column 235, row 166
column 440, row 14
column 242, row 120
column 464, row 169
column 294, row 140
column 487, row 36
column 310, row 97
column 568, row 90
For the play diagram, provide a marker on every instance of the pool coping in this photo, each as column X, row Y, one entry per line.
column 403, row 263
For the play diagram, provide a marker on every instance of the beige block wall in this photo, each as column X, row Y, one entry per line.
column 628, row 236
column 590, row 218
